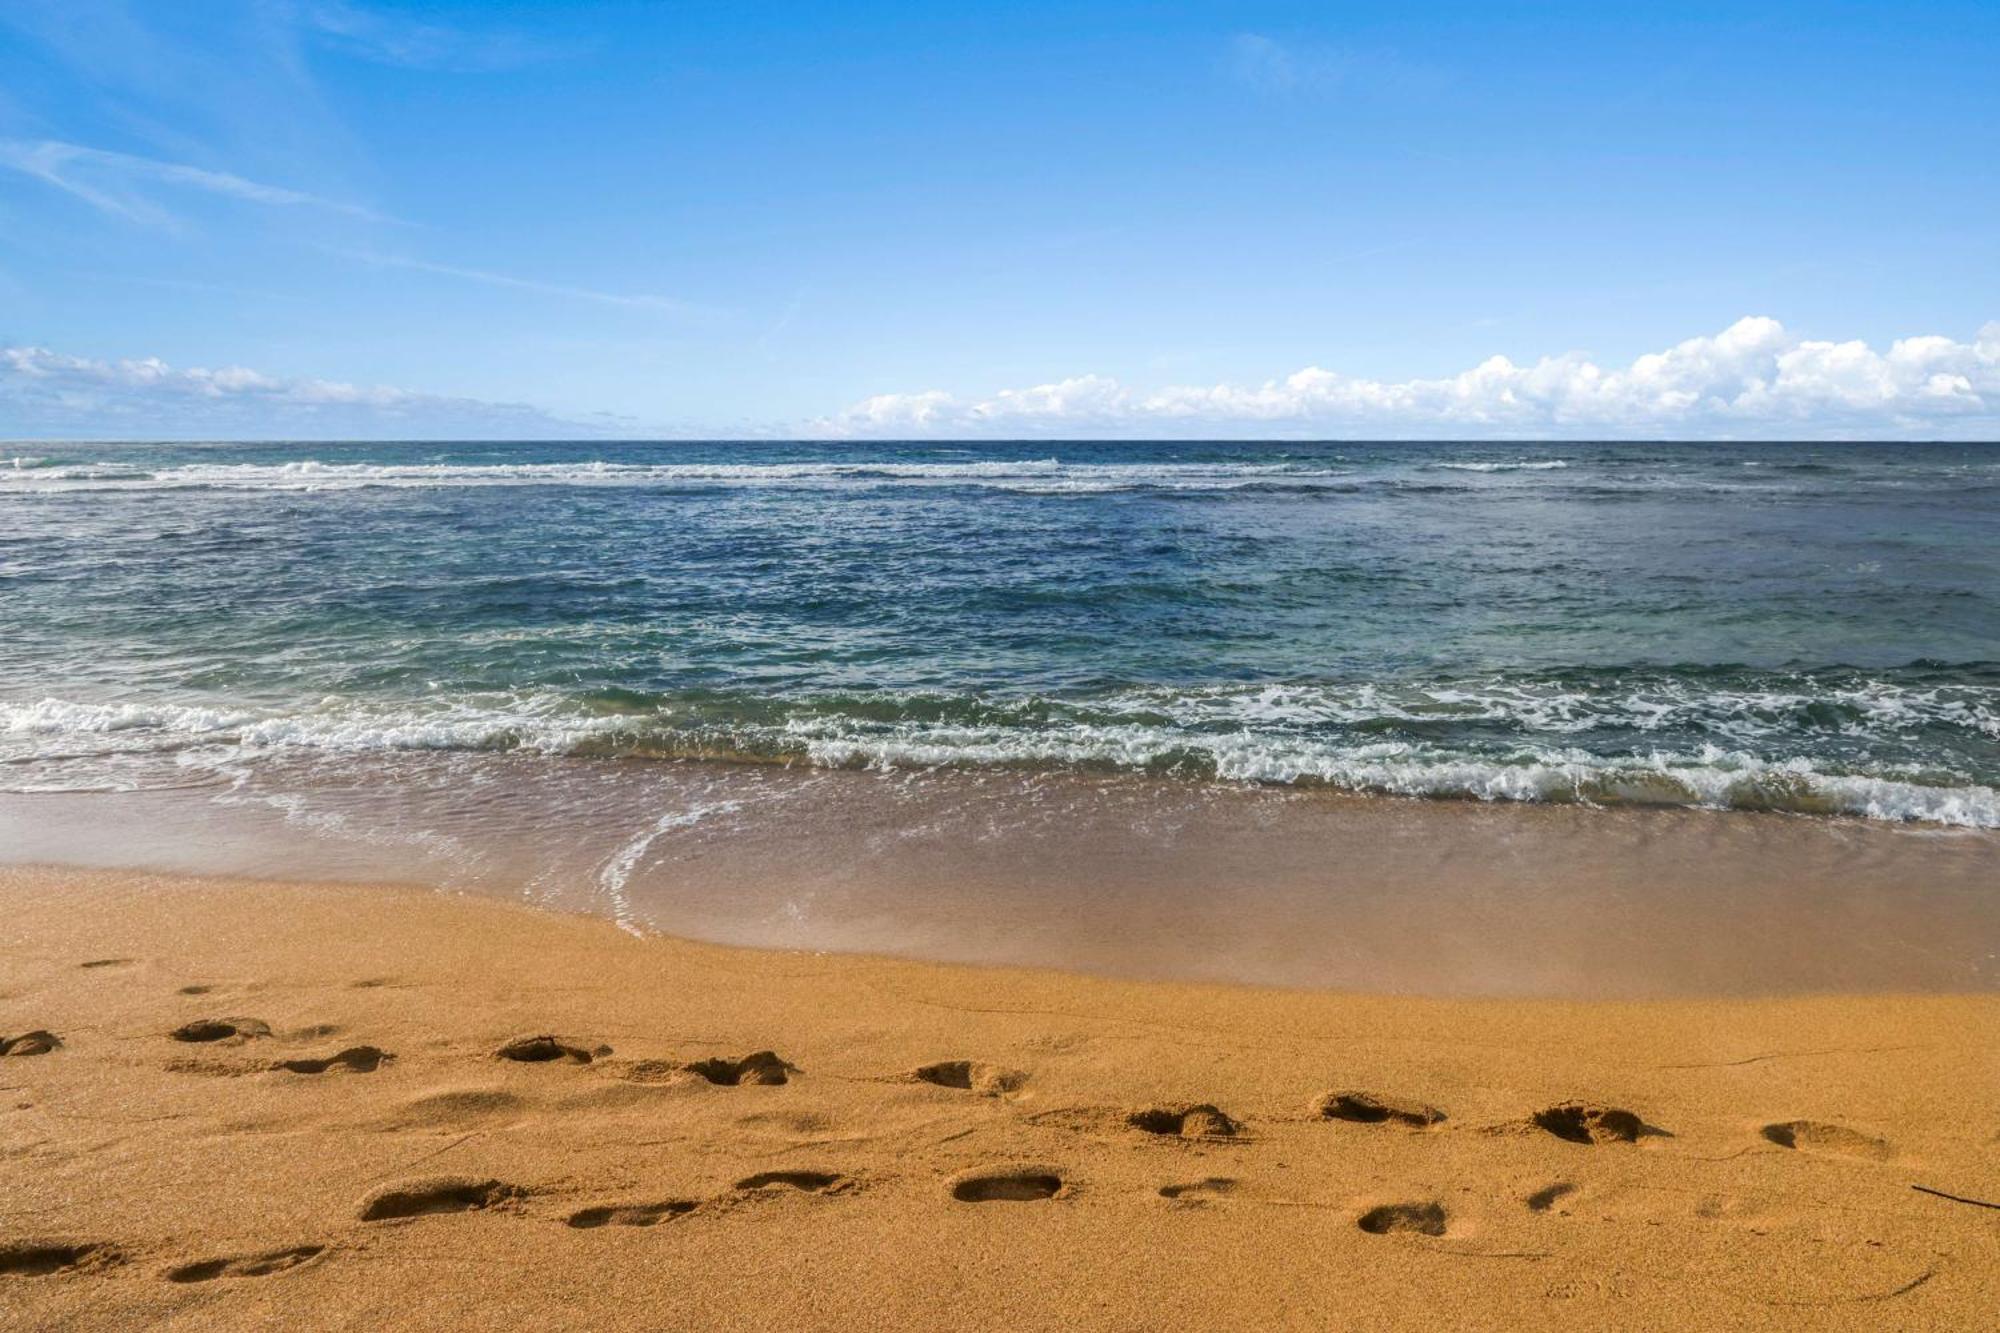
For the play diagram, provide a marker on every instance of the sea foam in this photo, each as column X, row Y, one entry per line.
column 1336, row 738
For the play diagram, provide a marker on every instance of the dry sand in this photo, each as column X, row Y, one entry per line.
column 1082, row 1153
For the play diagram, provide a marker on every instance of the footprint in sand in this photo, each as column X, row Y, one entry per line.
column 1365, row 1108
column 1200, row 1121
column 1007, row 1185
column 221, row 1029
column 631, row 1214
column 1548, row 1196
column 790, row 1123
column 809, row 1182
column 245, row 1265
column 1199, row 1191
column 435, row 1194
column 457, row 1108
column 541, row 1050
column 38, row 1042
column 645, row 1071
column 763, row 1068
column 1587, row 1122
column 971, row 1076
column 1820, row 1139
column 353, row 1060
column 1424, row 1219
column 32, row 1258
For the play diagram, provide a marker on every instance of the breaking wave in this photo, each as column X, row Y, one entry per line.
column 1853, row 747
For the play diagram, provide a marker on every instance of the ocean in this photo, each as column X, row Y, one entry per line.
column 1789, row 627
column 1559, row 718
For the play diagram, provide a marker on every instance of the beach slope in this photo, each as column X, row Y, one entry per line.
column 233, row 1104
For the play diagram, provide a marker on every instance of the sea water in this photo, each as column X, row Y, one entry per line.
column 1806, row 628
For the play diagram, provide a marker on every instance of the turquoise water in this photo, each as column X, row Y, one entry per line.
column 1808, row 628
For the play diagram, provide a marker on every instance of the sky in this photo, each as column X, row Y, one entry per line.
column 281, row 219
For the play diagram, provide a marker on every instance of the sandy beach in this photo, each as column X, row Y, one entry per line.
column 262, row 1103
column 1065, row 669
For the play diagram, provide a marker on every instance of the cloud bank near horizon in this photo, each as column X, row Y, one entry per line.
column 1754, row 379
column 47, row 395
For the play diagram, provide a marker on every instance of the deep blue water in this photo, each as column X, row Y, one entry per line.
column 1801, row 627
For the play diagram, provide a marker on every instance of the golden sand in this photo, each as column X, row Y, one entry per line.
column 340, row 1107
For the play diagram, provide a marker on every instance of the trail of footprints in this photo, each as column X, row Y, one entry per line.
column 1577, row 1122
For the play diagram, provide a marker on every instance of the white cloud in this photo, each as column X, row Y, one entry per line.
column 1752, row 379
column 111, row 181
column 45, row 394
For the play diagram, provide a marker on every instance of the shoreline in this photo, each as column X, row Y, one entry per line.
column 1775, row 1142
column 1139, row 878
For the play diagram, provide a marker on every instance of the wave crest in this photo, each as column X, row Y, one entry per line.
column 1836, row 749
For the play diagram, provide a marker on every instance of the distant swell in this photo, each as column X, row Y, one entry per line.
column 1046, row 476
column 1537, row 465
column 305, row 475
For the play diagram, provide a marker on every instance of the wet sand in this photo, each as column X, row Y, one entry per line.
column 1142, row 878
column 264, row 1103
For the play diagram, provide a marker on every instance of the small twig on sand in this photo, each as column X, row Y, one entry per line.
column 439, row 1152
column 1955, row 1198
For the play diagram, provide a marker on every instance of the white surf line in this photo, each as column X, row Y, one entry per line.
column 617, row 869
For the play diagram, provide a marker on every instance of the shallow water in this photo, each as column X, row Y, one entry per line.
column 1115, row 874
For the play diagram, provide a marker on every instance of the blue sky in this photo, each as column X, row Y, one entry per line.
column 335, row 217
